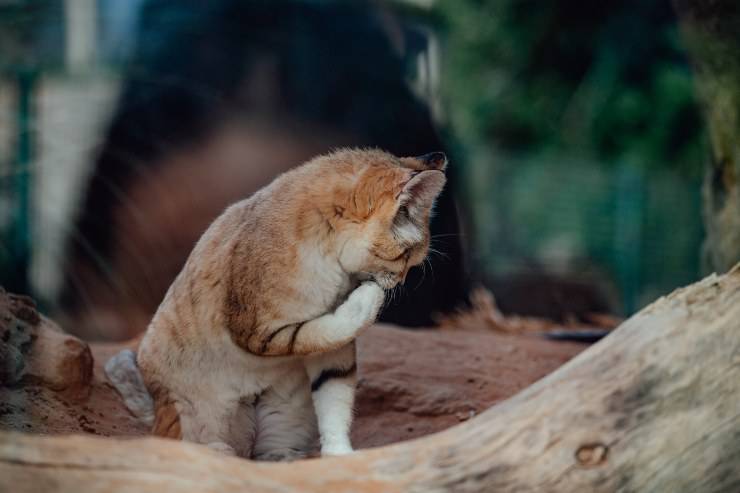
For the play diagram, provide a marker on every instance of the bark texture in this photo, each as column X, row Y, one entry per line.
column 655, row 406
column 711, row 30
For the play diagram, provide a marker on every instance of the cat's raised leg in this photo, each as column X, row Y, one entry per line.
column 286, row 423
column 333, row 379
column 328, row 332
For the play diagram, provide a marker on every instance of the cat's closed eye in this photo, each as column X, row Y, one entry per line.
column 403, row 254
column 398, row 257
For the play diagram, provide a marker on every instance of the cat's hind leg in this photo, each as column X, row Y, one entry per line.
column 286, row 423
column 224, row 424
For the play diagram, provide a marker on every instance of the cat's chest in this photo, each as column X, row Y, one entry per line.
column 321, row 286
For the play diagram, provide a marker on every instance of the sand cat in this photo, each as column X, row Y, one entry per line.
column 252, row 350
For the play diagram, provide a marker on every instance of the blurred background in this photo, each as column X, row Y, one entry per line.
column 576, row 142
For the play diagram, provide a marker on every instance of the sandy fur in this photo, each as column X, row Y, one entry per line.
column 251, row 351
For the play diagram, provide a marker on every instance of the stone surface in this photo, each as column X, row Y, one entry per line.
column 36, row 353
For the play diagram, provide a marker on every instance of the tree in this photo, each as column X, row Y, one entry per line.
column 711, row 30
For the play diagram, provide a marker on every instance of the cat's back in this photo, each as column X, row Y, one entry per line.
column 243, row 261
column 229, row 258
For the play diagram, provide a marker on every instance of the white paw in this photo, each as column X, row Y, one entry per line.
column 337, row 449
column 221, row 447
column 364, row 303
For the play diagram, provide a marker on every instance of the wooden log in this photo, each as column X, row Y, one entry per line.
column 655, row 406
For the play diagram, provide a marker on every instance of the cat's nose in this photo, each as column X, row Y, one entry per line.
column 434, row 160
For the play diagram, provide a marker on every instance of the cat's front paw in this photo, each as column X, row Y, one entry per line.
column 222, row 448
column 336, row 449
column 364, row 303
column 386, row 280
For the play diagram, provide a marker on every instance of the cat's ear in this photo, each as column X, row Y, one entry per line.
column 434, row 160
column 420, row 192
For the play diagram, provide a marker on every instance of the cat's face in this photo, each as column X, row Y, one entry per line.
column 383, row 222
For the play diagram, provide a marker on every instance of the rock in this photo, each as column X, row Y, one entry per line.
column 70, row 371
column 35, row 352
column 11, row 364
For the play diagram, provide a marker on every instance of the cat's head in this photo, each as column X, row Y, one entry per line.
column 381, row 220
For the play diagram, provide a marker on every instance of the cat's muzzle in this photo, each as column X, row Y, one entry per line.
column 386, row 280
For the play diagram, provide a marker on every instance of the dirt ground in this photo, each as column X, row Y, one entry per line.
column 411, row 383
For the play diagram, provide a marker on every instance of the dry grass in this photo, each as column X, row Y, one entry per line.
column 484, row 314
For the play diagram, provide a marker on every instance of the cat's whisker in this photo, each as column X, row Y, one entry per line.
column 423, row 273
column 439, row 253
column 401, row 290
column 386, row 300
column 431, row 266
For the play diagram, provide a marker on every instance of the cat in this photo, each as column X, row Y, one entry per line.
column 252, row 350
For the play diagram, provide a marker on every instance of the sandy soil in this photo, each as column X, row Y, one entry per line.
column 411, row 383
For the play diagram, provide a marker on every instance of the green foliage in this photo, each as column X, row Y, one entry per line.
column 560, row 101
column 605, row 82
column 26, row 42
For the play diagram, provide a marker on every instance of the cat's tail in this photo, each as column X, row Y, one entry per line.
column 124, row 374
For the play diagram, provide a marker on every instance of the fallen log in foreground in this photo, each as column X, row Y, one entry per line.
column 655, row 406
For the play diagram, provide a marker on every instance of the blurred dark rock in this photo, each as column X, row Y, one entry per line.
column 222, row 96
column 35, row 352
